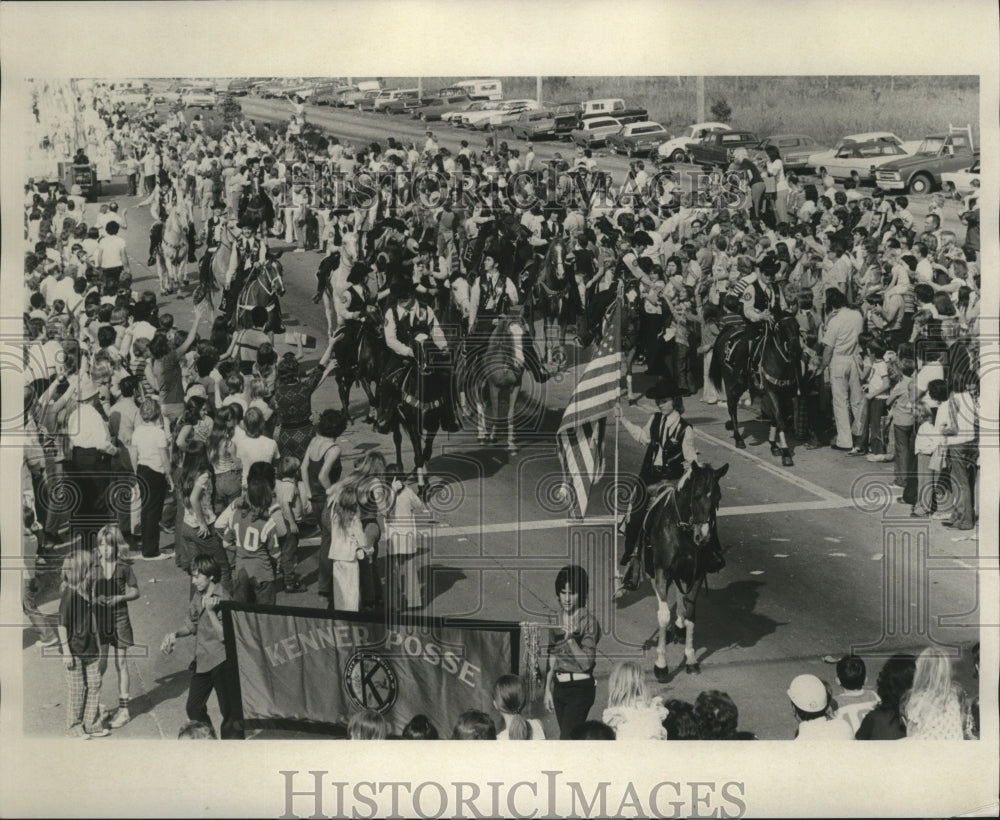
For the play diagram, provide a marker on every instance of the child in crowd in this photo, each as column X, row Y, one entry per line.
column 211, row 669
column 854, row 701
column 631, row 712
column 876, row 389
column 252, row 528
column 811, row 703
column 929, row 446
column 901, row 402
column 114, row 585
column 80, row 649
column 403, row 540
column 509, row 700
column 290, row 501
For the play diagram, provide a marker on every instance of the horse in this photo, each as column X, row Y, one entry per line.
column 363, row 364
column 550, row 300
column 493, row 376
column 681, row 526
column 256, row 207
column 418, row 411
column 776, row 379
column 171, row 256
column 213, row 267
column 263, row 287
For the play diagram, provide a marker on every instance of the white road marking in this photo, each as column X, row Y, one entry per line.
column 561, row 523
column 837, row 554
column 781, row 472
column 780, row 555
column 828, row 538
column 756, row 572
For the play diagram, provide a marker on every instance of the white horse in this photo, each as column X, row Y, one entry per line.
column 171, row 258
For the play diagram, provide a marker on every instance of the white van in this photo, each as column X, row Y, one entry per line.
column 489, row 89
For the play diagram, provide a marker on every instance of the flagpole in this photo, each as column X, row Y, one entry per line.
column 618, row 420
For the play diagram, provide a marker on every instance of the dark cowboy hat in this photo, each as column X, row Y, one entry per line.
column 663, row 390
column 769, row 264
column 393, row 224
column 359, row 270
column 248, row 222
column 402, row 289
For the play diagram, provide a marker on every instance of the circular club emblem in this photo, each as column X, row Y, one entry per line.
column 370, row 682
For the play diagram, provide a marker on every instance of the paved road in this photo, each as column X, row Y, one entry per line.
column 816, row 562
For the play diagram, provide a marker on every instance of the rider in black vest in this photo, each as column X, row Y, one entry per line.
column 355, row 305
column 670, row 451
column 763, row 303
column 404, row 322
column 493, row 295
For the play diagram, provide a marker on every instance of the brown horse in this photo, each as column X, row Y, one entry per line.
column 419, row 411
column 682, row 529
column 263, row 287
column 550, row 302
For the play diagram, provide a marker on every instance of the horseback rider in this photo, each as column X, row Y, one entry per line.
column 407, row 323
column 249, row 251
column 763, row 304
column 163, row 199
column 355, row 301
column 670, row 452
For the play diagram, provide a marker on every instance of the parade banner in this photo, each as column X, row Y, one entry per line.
column 314, row 669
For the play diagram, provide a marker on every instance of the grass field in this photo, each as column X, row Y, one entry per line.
column 826, row 108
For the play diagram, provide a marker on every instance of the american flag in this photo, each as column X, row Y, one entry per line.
column 581, row 431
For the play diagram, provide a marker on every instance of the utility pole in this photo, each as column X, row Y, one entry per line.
column 538, row 90
column 420, row 87
column 701, row 99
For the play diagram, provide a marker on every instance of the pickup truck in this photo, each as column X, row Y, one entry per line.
column 567, row 117
column 716, row 147
column 613, row 108
column 920, row 173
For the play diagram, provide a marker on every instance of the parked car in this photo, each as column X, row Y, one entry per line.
column 674, row 149
column 961, row 183
column 364, row 101
column 402, row 104
column 612, row 107
column 241, row 86
column 330, row 93
column 795, row 149
column 171, row 94
column 920, row 172
column 455, row 117
column 637, row 138
column 716, row 147
column 433, row 108
column 594, row 132
column 495, row 116
column 203, row 98
column 863, row 156
column 531, row 125
column 567, row 115
column 507, row 113
column 390, row 95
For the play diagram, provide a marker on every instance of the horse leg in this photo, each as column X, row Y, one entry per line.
column 685, row 614
column 494, row 405
column 425, row 455
column 511, row 399
column 345, row 383
column 779, row 419
column 372, row 401
column 397, row 440
column 660, row 587
column 480, row 418
column 732, row 402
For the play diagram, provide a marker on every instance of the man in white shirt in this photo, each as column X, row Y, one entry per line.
column 57, row 285
column 840, row 346
column 88, row 473
column 112, row 258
